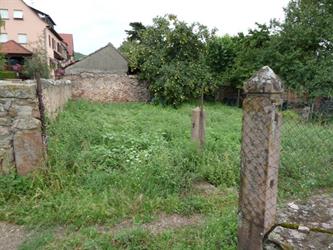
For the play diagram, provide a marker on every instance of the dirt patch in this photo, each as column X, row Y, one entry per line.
column 163, row 223
column 166, row 222
column 205, row 188
column 11, row 236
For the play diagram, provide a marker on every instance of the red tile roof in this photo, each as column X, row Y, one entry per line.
column 12, row 47
column 68, row 39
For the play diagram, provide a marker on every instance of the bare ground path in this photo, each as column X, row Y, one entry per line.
column 11, row 236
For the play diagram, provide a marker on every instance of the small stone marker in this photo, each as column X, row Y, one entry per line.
column 306, row 112
column 198, row 126
column 260, row 158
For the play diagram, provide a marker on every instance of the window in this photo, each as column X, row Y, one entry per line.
column 18, row 14
column 23, row 38
column 50, row 41
column 53, row 44
column 4, row 14
column 3, row 38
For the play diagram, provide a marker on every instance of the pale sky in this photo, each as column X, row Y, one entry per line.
column 94, row 23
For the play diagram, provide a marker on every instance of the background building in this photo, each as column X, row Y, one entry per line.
column 30, row 28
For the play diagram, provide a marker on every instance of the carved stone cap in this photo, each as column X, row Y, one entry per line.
column 264, row 81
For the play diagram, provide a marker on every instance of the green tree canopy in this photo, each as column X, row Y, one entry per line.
column 221, row 55
column 171, row 58
column 305, row 46
column 299, row 49
column 180, row 60
column 134, row 33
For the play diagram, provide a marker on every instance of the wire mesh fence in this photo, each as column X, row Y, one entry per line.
column 307, row 146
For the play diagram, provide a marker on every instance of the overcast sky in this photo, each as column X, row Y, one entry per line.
column 94, row 23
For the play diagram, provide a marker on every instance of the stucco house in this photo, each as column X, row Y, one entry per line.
column 30, row 28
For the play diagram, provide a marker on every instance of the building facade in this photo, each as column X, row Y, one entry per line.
column 33, row 29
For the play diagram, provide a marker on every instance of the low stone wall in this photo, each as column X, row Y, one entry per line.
column 108, row 87
column 55, row 96
column 20, row 128
column 21, row 144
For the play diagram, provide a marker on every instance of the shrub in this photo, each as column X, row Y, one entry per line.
column 7, row 75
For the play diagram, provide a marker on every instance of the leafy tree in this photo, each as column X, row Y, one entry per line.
column 235, row 59
column 134, row 34
column 37, row 65
column 134, row 53
column 221, row 55
column 171, row 57
column 169, row 53
column 305, row 46
column 300, row 49
column 131, row 48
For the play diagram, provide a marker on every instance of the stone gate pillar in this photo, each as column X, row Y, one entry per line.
column 260, row 157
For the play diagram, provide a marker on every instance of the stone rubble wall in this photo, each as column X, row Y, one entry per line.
column 55, row 96
column 21, row 145
column 106, row 88
column 20, row 128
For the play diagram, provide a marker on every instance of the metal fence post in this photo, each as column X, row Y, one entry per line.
column 260, row 157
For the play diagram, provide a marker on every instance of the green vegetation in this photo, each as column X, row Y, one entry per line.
column 109, row 163
column 7, row 75
column 78, row 56
column 37, row 64
column 190, row 59
column 170, row 54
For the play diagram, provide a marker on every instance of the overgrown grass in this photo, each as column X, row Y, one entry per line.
column 109, row 163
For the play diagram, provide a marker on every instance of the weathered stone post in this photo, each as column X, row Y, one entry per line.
column 198, row 126
column 260, row 157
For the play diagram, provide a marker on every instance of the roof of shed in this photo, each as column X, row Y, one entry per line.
column 104, row 60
